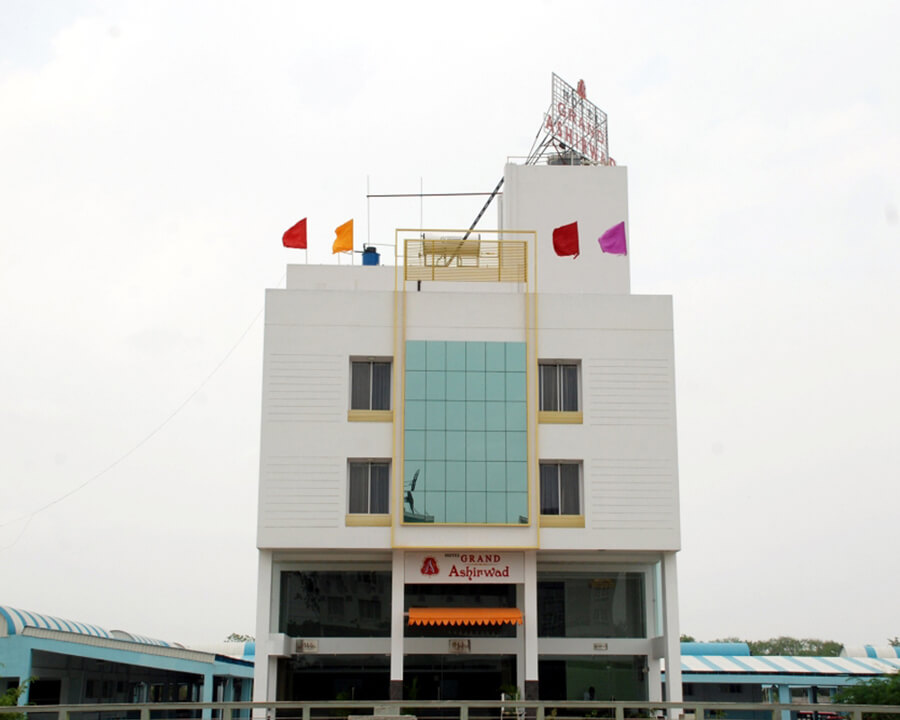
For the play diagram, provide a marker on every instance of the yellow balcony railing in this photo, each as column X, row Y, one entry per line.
column 458, row 258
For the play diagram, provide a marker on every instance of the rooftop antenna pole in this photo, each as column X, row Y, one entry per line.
column 478, row 217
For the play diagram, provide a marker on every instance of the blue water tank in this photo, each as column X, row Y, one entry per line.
column 371, row 256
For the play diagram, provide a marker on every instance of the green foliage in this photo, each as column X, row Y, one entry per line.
column 894, row 641
column 239, row 637
column 784, row 645
column 10, row 699
column 688, row 638
column 796, row 646
column 877, row 691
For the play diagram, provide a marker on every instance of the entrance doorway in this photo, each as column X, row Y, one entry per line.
column 457, row 677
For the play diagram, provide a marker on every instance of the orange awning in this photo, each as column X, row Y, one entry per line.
column 464, row 616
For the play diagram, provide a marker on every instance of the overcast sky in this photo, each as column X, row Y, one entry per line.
column 152, row 154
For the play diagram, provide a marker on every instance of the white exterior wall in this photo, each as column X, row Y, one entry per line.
column 626, row 442
column 306, row 439
column 542, row 198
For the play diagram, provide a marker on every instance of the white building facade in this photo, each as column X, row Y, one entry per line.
column 468, row 473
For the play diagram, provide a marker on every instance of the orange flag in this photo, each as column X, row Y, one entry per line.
column 343, row 241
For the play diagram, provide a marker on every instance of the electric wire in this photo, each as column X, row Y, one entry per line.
column 28, row 516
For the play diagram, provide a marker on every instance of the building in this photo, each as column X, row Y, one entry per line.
column 728, row 673
column 67, row 662
column 468, row 472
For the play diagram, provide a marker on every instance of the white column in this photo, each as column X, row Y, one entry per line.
column 520, row 642
column 261, row 665
column 654, row 679
column 398, row 622
column 671, row 632
column 531, row 618
column 272, row 687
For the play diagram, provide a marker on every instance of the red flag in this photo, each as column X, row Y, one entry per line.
column 295, row 237
column 565, row 240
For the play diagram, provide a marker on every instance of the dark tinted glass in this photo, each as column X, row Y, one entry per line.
column 359, row 487
column 549, row 389
column 569, row 381
column 381, row 386
column 549, row 489
column 360, row 386
column 568, row 489
column 582, row 605
column 335, row 604
column 379, row 488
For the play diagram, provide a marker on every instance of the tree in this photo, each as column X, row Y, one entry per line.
column 688, row 638
column 11, row 698
column 894, row 641
column 796, row 646
column 239, row 637
column 785, row 645
column 877, row 691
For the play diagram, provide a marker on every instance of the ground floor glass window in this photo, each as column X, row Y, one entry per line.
column 338, row 677
column 333, row 603
column 591, row 604
column 605, row 678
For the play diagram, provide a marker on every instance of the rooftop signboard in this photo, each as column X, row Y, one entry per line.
column 576, row 123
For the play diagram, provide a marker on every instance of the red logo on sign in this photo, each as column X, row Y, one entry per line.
column 429, row 566
column 580, row 89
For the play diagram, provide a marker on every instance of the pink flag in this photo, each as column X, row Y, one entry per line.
column 613, row 240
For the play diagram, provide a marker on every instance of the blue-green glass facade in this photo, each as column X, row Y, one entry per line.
column 466, row 433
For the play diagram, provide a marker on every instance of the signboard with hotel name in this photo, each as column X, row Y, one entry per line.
column 470, row 566
column 578, row 124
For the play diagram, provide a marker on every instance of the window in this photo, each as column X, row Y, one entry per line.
column 369, row 488
column 558, row 386
column 370, row 385
column 591, row 603
column 320, row 603
column 560, row 493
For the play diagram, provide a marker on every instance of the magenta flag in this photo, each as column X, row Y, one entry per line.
column 613, row 240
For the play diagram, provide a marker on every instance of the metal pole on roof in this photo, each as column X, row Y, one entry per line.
column 478, row 217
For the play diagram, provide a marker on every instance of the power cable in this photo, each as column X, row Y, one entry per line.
column 30, row 515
